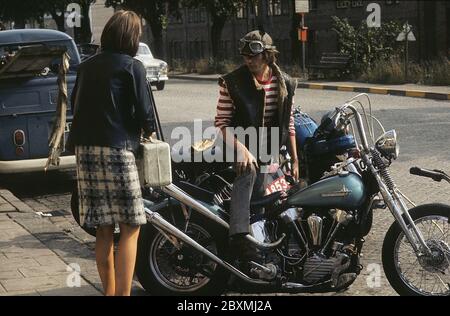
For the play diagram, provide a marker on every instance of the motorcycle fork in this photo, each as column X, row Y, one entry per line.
column 398, row 208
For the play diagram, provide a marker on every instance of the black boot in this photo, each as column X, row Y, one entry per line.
column 244, row 251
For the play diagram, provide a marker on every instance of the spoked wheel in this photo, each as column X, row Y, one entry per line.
column 428, row 275
column 163, row 269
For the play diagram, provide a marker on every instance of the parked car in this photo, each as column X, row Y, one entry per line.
column 29, row 62
column 156, row 68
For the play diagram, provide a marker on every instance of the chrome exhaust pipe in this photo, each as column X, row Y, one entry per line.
column 178, row 194
column 160, row 223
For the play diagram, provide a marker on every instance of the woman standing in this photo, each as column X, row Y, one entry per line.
column 112, row 107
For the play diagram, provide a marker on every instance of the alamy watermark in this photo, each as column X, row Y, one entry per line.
column 374, row 18
column 262, row 142
column 74, row 277
column 373, row 280
column 72, row 15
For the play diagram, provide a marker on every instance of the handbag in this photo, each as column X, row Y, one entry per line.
column 154, row 163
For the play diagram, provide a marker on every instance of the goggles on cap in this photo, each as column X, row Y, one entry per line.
column 255, row 46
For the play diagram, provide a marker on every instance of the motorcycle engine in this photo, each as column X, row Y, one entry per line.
column 318, row 268
column 330, row 256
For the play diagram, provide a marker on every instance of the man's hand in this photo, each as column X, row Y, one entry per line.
column 245, row 160
column 295, row 170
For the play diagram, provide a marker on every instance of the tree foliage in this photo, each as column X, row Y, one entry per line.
column 23, row 10
column 155, row 12
column 220, row 12
column 367, row 45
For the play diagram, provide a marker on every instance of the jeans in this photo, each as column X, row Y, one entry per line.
column 245, row 187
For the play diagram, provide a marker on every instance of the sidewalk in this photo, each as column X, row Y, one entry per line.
column 35, row 255
column 407, row 90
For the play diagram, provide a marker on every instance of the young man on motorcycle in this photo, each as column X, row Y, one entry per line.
column 257, row 94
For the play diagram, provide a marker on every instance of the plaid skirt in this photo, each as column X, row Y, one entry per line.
column 108, row 187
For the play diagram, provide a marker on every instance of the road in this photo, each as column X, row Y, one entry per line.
column 423, row 128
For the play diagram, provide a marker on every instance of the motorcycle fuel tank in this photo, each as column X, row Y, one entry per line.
column 344, row 191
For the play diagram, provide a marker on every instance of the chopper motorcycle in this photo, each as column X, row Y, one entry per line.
column 310, row 238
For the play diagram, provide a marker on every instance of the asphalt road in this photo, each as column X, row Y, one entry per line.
column 422, row 125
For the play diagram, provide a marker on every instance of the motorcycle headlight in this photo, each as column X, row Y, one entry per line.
column 387, row 145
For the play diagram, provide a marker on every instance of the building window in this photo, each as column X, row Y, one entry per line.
column 313, row 5
column 224, row 49
column 202, row 15
column 197, row 50
column 241, row 12
column 254, row 9
column 343, row 4
column 196, row 15
column 176, row 19
column 285, row 10
column 274, row 8
column 176, row 49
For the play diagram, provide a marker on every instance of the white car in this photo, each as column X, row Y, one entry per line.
column 156, row 68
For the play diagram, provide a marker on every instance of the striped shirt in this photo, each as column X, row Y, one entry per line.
column 226, row 109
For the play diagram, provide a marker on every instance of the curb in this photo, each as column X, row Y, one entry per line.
column 395, row 92
column 16, row 205
column 318, row 86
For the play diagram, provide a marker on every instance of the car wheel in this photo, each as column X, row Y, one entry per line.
column 160, row 85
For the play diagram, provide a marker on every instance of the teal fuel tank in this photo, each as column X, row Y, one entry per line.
column 344, row 191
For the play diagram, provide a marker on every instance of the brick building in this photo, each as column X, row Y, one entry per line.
column 188, row 38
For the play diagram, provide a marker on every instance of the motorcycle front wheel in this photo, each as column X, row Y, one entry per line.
column 428, row 275
column 162, row 269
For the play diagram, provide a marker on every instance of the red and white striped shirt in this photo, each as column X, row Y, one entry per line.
column 226, row 109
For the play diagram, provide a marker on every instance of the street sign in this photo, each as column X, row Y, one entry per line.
column 301, row 6
column 406, row 34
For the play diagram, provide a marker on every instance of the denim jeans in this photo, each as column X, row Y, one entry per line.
column 247, row 186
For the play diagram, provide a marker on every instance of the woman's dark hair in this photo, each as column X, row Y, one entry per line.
column 122, row 33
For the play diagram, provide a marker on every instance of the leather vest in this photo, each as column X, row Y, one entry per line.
column 249, row 102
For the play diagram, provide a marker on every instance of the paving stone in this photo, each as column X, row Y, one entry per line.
column 21, row 293
column 29, row 253
column 75, row 291
column 32, row 283
column 7, row 208
column 11, row 274
column 15, row 263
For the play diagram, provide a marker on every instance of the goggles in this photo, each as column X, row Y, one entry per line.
column 253, row 46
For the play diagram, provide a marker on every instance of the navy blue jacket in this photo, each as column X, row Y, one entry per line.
column 111, row 103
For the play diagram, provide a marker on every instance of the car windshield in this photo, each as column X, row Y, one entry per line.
column 144, row 50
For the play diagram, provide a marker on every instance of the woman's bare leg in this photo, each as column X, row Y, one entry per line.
column 104, row 255
column 126, row 258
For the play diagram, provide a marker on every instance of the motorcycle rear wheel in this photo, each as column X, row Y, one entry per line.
column 433, row 221
column 163, row 270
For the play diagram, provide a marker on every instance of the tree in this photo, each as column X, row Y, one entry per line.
column 20, row 11
column 56, row 9
column 155, row 12
column 84, row 34
column 367, row 45
column 220, row 12
column 23, row 10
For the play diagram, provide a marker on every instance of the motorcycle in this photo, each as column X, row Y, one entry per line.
column 310, row 237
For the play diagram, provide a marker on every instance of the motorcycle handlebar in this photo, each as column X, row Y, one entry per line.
column 436, row 175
